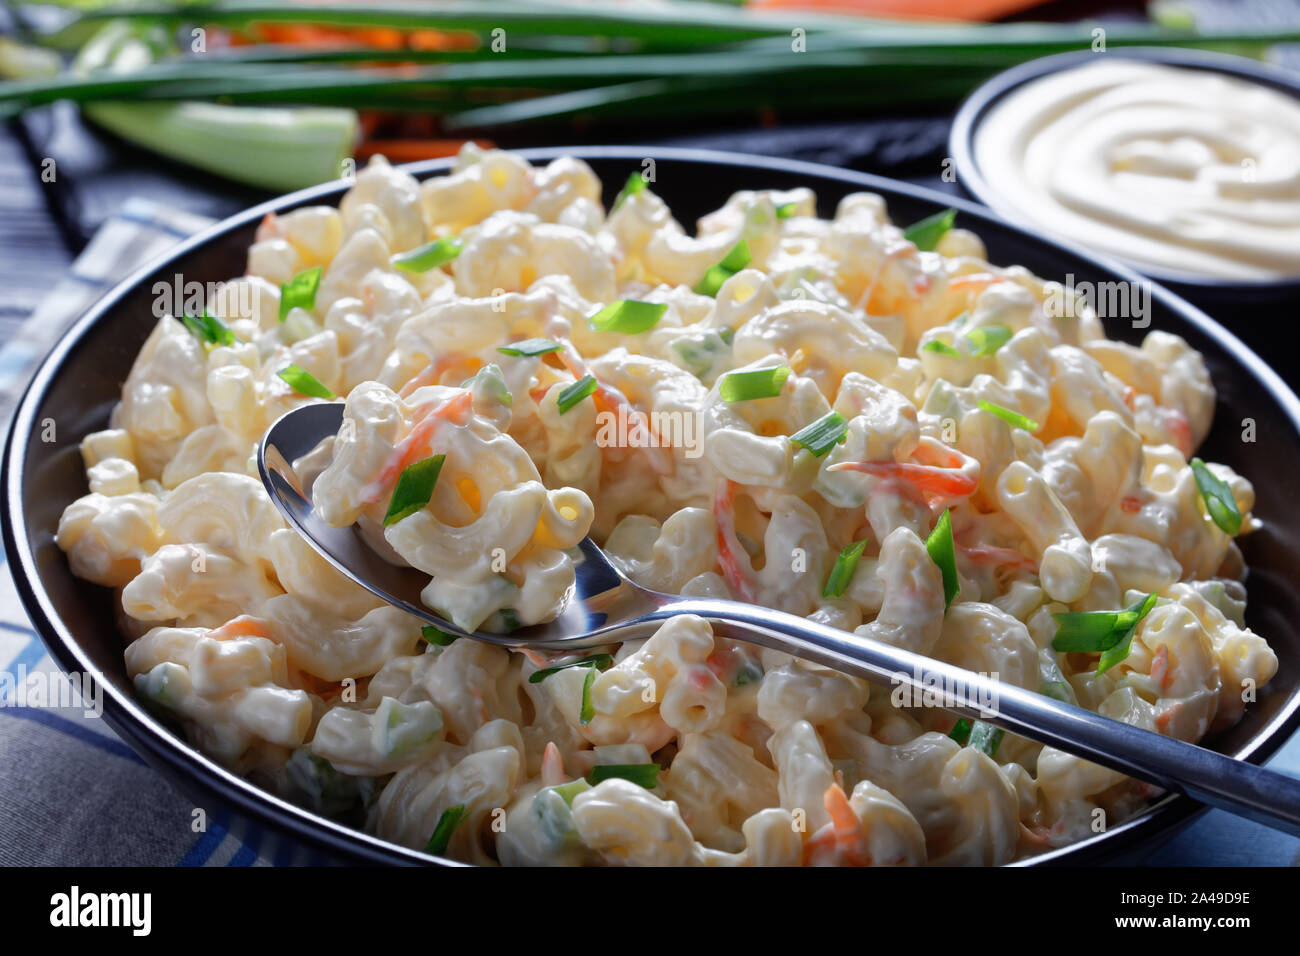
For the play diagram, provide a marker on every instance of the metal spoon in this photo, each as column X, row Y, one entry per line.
column 607, row 608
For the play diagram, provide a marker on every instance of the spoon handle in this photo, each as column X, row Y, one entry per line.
column 1241, row 788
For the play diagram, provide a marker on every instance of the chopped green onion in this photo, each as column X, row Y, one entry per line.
column 759, row 383
column 414, row 489
column 1052, row 682
column 210, row 329
column 300, row 291
column 447, row 824
column 961, row 731
column 1015, row 419
column 822, row 435
column 531, row 347
column 587, row 710
column 304, row 383
column 786, row 210
column 926, row 233
column 737, row 258
column 576, row 392
column 1118, row 652
column 731, row 263
column 568, row 791
column 1057, row 690
column 960, row 320
column 985, row 737
column 628, row 316
column 842, row 573
column 750, row 672
column 943, row 348
column 977, row 734
column 1218, row 497
column 435, row 635
column 598, row 661
column 1107, row 632
column 488, row 382
column 636, row 183
column 943, row 552
column 987, row 339
column 429, row 256
column 727, row 335
column 642, row 774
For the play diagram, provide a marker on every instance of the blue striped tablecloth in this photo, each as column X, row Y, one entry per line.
column 72, row 793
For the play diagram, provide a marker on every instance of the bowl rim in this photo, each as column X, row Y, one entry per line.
column 976, row 107
column 162, row 747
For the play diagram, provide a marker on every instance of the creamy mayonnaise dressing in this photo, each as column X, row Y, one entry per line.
column 1179, row 170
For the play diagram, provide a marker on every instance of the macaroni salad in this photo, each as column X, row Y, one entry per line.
column 869, row 426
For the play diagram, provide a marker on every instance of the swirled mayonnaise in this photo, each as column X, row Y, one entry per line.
column 1180, row 170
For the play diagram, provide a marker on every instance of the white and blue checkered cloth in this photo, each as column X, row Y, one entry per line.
column 73, row 794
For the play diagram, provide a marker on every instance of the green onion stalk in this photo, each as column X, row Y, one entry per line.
column 279, row 148
column 281, row 117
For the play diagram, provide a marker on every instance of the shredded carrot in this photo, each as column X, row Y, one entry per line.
column 988, row 554
column 976, row 282
column 430, row 374
column 1160, row 667
column 934, row 482
column 608, row 399
column 1035, row 837
column 268, row 228
column 416, row 444
column 1167, row 716
column 1181, row 430
column 242, row 626
column 552, row 765
column 735, row 568
column 843, row 834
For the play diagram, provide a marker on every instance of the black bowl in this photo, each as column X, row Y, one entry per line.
column 79, row 381
column 1223, row 297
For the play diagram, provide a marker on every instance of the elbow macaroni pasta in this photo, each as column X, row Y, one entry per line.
column 278, row 666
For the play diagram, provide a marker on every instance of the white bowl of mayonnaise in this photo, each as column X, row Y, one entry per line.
column 1182, row 163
